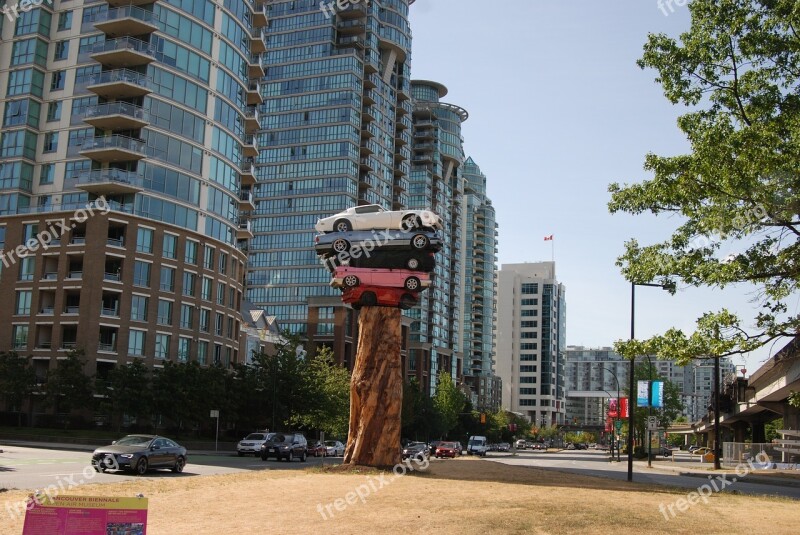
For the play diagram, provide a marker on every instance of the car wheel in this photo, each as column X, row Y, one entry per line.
column 412, row 263
column 351, row 281
column 141, row 466
column 180, row 462
column 340, row 245
column 290, row 457
column 410, row 222
column 369, row 299
column 407, row 301
column 98, row 466
column 303, row 457
column 342, row 225
column 420, row 241
column 263, row 457
column 412, row 284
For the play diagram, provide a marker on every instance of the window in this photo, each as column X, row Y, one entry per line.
column 219, row 322
column 230, row 327
column 528, row 324
column 54, row 111
column 223, row 262
column 164, row 312
column 190, row 256
column 531, row 288
column 186, row 316
column 50, row 142
column 184, row 347
column 22, row 112
column 205, row 292
column 25, row 81
column 64, row 21
column 20, row 335
column 220, row 293
column 23, row 305
column 208, row 257
column 29, row 231
column 217, row 354
column 144, row 240
column 29, row 51
column 189, row 281
column 18, row 143
column 26, row 266
column 46, row 174
column 61, row 50
column 205, row 320
column 136, row 340
column 141, row 274
column 167, row 279
column 58, row 79
column 2, row 237
column 162, row 346
column 139, row 308
column 202, row 352
column 170, row 246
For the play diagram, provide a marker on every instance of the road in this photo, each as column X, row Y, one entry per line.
column 595, row 463
column 36, row 468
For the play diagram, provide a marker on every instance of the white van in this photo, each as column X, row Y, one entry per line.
column 477, row 445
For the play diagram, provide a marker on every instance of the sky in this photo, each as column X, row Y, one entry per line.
column 558, row 111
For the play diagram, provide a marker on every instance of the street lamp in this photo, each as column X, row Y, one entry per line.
column 649, row 411
column 614, row 433
column 631, row 381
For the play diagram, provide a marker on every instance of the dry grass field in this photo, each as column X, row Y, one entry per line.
column 460, row 496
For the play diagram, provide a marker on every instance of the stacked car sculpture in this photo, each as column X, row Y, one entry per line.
column 379, row 257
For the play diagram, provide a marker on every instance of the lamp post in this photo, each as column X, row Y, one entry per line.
column 649, row 411
column 631, row 381
column 614, row 433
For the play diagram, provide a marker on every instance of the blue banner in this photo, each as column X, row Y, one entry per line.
column 657, row 394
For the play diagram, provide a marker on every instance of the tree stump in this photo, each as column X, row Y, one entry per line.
column 376, row 391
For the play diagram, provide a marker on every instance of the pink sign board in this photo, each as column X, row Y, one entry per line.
column 86, row 515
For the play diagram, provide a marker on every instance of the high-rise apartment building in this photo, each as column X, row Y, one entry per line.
column 531, row 341
column 480, row 290
column 142, row 111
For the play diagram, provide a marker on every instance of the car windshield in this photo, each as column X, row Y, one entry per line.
column 330, row 443
column 255, row 436
column 133, row 440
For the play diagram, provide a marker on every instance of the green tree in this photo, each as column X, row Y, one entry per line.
column 794, row 399
column 448, row 401
column 329, row 387
column 672, row 401
column 771, row 429
column 17, row 381
column 738, row 69
column 68, row 386
column 129, row 391
column 418, row 417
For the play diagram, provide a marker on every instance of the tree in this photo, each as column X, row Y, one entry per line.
column 448, row 402
column 17, row 381
column 329, row 386
column 68, row 386
column 418, row 415
column 672, row 408
column 794, row 399
column 129, row 391
column 738, row 68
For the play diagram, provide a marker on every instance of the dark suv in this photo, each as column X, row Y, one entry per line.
column 285, row 446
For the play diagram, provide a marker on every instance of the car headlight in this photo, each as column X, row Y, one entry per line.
column 285, row 447
column 127, row 455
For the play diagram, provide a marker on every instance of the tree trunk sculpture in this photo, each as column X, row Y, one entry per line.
column 376, row 391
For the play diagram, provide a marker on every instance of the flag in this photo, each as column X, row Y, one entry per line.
column 548, row 238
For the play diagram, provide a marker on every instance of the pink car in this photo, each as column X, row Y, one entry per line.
column 350, row 277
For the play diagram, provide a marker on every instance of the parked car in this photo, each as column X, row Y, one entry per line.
column 447, row 449
column 349, row 246
column 317, row 449
column 416, row 450
column 666, row 451
column 373, row 216
column 520, row 444
column 365, row 296
column 570, row 446
column 140, row 453
column 477, row 445
column 503, row 446
column 335, row 448
column 349, row 277
column 252, row 443
column 285, row 446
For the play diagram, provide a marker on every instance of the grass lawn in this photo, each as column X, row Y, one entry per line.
column 459, row 496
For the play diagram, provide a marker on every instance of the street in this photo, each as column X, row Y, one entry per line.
column 596, row 463
column 36, row 468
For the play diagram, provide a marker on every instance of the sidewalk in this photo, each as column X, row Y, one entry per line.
column 781, row 478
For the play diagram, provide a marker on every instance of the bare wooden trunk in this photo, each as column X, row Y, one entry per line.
column 376, row 391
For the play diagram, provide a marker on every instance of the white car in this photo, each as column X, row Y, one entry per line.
column 252, row 443
column 373, row 216
column 335, row 448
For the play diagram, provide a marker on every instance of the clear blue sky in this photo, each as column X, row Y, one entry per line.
column 558, row 110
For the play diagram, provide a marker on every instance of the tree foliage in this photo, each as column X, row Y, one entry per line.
column 448, row 401
column 329, row 387
column 17, row 381
column 737, row 68
column 794, row 399
column 68, row 386
column 126, row 391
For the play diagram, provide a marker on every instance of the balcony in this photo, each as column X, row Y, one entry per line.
column 246, row 201
column 353, row 11
column 256, row 66
column 244, row 231
column 259, row 14
column 258, row 44
column 107, row 182
column 248, row 172
column 126, row 20
column 116, row 148
column 254, row 93
column 351, row 27
column 123, row 52
column 252, row 120
column 115, row 3
column 250, row 146
column 120, row 83
column 116, row 116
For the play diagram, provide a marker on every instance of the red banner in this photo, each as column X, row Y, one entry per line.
column 623, row 407
column 609, row 425
column 612, row 408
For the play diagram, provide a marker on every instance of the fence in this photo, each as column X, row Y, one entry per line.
column 771, row 455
